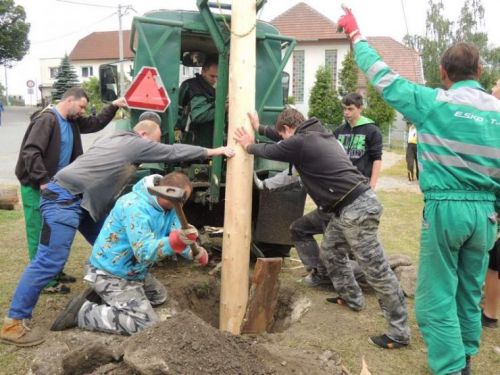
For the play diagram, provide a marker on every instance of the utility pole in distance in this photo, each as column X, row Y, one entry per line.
column 120, row 50
column 238, row 207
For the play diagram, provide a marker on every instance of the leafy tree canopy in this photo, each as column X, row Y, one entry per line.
column 441, row 33
column 14, row 29
column 93, row 91
column 324, row 103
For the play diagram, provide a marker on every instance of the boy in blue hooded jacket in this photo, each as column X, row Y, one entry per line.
column 140, row 230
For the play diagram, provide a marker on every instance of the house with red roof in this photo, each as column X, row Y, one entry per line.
column 319, row 44
column 88, row 54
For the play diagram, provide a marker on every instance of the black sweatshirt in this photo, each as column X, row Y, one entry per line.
column 325, row 170
column 362, row 143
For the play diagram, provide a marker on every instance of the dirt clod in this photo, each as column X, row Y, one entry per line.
column 85, row 359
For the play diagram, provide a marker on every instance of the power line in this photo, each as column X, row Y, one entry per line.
column 87, row 4
column 404, row 17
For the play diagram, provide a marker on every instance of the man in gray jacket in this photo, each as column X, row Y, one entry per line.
column 79, row 198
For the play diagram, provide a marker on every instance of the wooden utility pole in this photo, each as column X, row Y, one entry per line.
column 238, row 208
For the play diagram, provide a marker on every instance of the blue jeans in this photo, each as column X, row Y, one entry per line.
column 62, row 216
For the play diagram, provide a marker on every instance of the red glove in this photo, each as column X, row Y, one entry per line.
column 348, row 23
column 181, row 238
column 202, row 257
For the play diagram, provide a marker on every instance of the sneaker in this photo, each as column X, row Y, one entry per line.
column 488, row 322
column 65, row 278
column 57, row 288
column 68, row 318
column 314, row 279
column 340, row 301
column 383, row 341
column 19, row 333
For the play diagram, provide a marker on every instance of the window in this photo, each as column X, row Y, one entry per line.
column 331, row 64
column 53, row 72
column 298, row 76
column 87, row 71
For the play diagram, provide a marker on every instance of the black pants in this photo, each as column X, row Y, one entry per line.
column 411, row 161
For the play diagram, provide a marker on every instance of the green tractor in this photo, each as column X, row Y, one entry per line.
column 173, row 42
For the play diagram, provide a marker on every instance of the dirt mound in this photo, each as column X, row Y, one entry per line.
column 185, row 344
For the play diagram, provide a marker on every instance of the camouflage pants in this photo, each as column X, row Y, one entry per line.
column 302, row 231
column 127, row 305
column 355, row 231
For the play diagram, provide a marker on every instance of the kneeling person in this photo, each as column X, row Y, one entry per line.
column 140, row 230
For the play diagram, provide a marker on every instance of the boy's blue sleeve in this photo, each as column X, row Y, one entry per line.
column 147, row 246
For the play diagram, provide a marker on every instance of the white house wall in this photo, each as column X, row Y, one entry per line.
column 314, row 57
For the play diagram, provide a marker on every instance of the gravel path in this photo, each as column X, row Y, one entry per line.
column 395, row 183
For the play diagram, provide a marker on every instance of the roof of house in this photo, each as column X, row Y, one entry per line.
column 306, row 24
column 101, row 45
column 402, row 59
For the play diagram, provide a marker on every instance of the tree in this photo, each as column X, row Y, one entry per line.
column 469, row 30
column 65, row 79
column 491, row 70
column 92, row 88
column 378, row 110
column 442, row 33
column 348, row 75
column 437, row 39
column 324, row 103
column 14, row 29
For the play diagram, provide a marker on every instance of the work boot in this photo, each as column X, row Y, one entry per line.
column 58, row 288
column 19, row 333
column 314, row 279
column 488, row 322
column 65, row 278
column 384, row 341
column 68, row 318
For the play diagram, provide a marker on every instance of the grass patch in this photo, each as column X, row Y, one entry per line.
column 13, row 260
column 399, row 229
column 7, row 216
column 398, row 170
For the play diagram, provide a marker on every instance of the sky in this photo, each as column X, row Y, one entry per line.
column 57, row 25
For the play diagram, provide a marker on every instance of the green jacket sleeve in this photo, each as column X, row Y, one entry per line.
column 412, row 100
column 202, row 110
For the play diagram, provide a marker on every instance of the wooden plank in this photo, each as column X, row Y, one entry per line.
column 263, row 297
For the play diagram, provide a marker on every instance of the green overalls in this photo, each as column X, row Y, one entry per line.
column 459, row 161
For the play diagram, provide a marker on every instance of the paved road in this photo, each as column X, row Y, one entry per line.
column 15, row 121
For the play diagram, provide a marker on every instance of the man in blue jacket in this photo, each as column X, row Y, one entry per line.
column 140, row 230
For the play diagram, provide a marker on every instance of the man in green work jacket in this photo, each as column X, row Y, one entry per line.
column 459, row 151
column 197, row 105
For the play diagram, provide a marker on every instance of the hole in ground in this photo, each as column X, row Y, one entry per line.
column 203, row 298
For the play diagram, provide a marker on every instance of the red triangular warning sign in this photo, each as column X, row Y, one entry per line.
column 147, row 91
